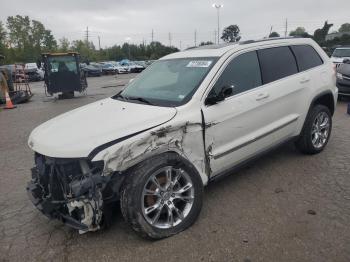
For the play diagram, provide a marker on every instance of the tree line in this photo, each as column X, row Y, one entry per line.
column 232, row 34
column 320, row 34
column 23, row 40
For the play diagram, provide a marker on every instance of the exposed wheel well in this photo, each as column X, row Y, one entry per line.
column 325, row 99
column 169, row 155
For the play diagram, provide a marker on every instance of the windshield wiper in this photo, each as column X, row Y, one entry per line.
column 121, row 96
column 141, row 99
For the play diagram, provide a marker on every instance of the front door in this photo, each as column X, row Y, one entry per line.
column 255, row 117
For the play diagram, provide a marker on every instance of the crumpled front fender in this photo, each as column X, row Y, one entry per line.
column 185, row 139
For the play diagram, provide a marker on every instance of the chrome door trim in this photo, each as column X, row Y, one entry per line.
column 254, row 139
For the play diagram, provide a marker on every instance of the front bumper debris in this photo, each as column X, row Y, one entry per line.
column 73, row 191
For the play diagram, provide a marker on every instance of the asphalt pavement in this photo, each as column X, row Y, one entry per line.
column 283, row 207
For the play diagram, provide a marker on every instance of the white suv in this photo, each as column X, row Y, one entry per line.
column 188, row 119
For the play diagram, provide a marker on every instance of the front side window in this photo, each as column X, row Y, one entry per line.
column 242, row 74
column 306, row 56
column 168, row 82
column 277, row 63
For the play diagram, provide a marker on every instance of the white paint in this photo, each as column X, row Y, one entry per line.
column 232, row 122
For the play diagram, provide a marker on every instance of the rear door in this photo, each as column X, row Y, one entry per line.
column 260, row 113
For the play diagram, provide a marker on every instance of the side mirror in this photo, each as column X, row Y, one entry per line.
column 346, row 61
column 38, row 63
column 225, row 92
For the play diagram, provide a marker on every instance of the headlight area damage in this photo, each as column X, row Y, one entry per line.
column 72, row 190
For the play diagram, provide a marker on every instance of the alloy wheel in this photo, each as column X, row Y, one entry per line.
column 167, row 197
column 320, row 130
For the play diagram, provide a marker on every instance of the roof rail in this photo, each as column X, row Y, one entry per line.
column 267, row 39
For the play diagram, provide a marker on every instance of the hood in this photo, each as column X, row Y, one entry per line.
column 78, row 132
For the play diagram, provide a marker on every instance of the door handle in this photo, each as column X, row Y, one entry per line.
column 262, row 96
column 304, row 80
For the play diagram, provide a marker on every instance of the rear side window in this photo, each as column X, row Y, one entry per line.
column 243, row 73
column 306, row 57
column 277, row 63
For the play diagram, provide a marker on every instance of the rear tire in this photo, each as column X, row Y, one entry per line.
column 316, row 131
column 155, row 211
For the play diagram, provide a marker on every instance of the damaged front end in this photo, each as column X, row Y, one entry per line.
column 74, row 191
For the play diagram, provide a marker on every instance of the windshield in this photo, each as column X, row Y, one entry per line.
column 62, row 63
column 341, row 52
column 168, row 82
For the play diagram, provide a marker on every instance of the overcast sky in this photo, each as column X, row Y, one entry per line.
column 117, row 20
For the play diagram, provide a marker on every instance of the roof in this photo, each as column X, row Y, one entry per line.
column 221, row 49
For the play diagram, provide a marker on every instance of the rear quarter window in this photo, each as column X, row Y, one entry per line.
column 277, row 63
column 307, row 57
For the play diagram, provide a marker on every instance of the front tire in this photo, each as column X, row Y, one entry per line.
column 316, row 131
column 161, row 196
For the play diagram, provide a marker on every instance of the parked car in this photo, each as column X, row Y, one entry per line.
column 108, row 69
column 121, row 69
column 33, row 72
column 135, row 68
column 343, row 78
column 33, row 75
column 10, row 70
column 141, row 63
column 339, row 55
column 132, row 66
column 187, row 120
column 92, row 70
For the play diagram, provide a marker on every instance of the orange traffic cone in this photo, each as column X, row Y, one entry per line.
column 9, row 104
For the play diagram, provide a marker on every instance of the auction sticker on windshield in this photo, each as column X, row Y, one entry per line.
column 199, row 63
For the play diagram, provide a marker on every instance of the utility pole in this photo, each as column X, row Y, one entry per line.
column 99, row 43
column 180, row 45
column 169, row 39
column 152, row 35
column 270, row 31
column 87, row 34
column 286, row 32
column 218, row 6
column 195, row 38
